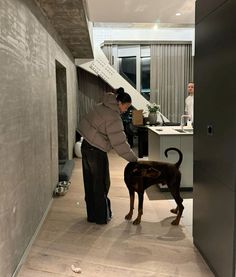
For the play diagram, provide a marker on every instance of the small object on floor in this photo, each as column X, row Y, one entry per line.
column 78, row 148
column 61, row 188
column 76, row 269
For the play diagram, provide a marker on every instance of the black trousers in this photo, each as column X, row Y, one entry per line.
column 96, row 183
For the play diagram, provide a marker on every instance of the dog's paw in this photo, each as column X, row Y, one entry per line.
column 137, row 221
column 175, row 222
column 128, row 216
column 174, row 211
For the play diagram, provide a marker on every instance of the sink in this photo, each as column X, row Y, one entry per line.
column 188, row 130
column 179, row 130
column 184, row 130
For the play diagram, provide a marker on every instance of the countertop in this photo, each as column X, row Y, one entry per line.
column 171, row 130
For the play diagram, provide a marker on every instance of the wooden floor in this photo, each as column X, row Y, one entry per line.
column 154, row 248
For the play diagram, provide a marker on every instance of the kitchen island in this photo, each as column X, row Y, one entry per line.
column 162, row 137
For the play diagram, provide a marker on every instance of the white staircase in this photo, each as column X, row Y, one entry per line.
column 100, row 67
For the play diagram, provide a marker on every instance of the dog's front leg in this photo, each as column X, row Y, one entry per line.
column 131, row 208
column 140, row 209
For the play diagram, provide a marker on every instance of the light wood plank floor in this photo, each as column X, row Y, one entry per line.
column 154, row 248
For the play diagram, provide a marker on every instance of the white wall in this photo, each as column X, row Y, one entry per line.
column 130, row 34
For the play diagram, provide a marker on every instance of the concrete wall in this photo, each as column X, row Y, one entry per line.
column 28, row 124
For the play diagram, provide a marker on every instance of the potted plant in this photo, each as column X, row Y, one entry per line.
column 153, row 109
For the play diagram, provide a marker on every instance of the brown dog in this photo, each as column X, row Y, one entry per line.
column 140, row 175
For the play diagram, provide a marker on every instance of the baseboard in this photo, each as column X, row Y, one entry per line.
column 165, row 188
column 26, row 252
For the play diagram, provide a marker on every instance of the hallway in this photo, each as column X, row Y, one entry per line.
column 154, row 248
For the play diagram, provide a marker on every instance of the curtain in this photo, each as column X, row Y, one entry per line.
column 107, row 49
column 171, row 71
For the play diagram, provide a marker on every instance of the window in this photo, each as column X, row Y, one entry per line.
column 133, row 64
column 127, row 69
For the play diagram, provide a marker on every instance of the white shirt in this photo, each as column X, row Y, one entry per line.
column 189, row 106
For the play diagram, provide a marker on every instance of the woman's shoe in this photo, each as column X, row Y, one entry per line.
column 101, row 222
column 91, row 220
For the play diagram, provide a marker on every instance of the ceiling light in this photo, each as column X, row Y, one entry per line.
column 178, row 14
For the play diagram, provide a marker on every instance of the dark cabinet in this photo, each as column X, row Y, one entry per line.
column 214, row 188
column 142, row 141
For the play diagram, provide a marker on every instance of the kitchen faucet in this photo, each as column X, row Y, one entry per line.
column 182, row 120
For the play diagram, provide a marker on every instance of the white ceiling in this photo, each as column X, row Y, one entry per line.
column 142, row 11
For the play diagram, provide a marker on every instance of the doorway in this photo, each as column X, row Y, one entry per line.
column 62, row 113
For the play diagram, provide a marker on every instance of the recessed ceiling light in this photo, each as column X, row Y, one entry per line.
column 178, row 14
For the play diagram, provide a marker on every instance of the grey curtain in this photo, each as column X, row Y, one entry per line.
column 107, row 49
column 171, row 70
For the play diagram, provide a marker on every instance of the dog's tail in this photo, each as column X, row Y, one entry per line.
column 180, row 155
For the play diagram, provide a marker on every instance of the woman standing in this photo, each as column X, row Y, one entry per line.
column 102, row 130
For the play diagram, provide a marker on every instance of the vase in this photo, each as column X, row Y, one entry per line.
column 152, row 117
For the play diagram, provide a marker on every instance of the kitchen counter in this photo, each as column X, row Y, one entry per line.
column 162, row 137
column 171, row 130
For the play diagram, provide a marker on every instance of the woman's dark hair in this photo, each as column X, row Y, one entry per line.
column 122, row 96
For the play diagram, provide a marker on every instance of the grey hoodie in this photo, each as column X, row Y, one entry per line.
column 103, row 128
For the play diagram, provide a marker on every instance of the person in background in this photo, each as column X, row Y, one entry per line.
column 102, row 129
column 127, row 122
column 189, row 101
